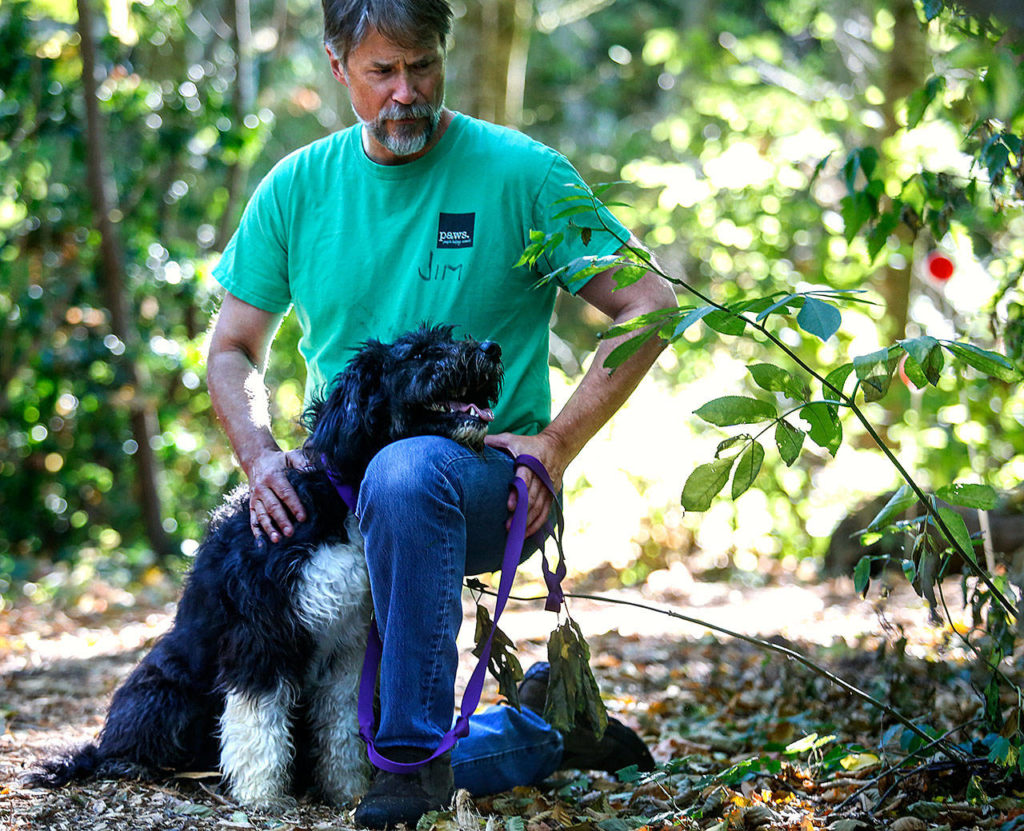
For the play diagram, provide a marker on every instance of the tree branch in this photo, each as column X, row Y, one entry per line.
column 952, row 751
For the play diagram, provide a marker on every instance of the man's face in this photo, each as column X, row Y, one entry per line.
column 397, row 94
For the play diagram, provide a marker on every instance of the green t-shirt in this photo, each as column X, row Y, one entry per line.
column 362, row 250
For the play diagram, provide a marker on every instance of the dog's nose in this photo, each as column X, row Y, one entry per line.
column 491, row 349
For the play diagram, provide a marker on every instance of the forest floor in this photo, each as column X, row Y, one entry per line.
column 745, row 738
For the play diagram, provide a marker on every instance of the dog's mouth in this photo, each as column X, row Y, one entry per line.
column 469, row 410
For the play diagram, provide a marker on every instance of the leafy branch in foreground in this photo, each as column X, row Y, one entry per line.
column 807, row 405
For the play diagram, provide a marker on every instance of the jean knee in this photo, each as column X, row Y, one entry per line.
column 407, row 468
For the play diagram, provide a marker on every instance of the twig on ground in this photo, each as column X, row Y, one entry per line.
column 893, row 768
column 950, row 750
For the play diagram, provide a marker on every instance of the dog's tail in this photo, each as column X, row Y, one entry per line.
column 80, row 764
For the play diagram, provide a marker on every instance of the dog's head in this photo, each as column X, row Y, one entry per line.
column 425, row 383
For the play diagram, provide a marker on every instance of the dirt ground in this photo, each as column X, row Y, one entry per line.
column 745, row 738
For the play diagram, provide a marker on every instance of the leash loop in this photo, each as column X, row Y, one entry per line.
column 474, row 688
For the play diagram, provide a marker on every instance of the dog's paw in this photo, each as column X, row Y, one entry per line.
column 342, row 797
column 269, row 804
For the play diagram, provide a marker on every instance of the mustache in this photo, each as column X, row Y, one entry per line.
column 394, row 112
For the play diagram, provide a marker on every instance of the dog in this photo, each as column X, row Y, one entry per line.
column 259, row 672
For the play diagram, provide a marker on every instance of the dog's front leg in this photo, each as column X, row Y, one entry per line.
column 341, row 769
column 256, row 747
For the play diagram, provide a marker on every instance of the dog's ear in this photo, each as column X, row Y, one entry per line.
column 343, row 424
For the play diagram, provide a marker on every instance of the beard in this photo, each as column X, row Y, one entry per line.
column 404, row 139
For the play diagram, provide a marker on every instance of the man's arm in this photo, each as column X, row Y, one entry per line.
column 600, row 392
column 235, row 365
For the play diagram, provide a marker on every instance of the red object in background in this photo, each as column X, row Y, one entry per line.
column 940, row 266
column 902, row 371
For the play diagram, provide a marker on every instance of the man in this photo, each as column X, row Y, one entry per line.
column 419, row 213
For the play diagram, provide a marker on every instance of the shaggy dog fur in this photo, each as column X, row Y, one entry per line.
column 260, row 670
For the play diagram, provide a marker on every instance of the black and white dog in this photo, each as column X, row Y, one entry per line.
column 260, row 671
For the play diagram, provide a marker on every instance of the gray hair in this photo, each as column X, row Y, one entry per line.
column 408, row 23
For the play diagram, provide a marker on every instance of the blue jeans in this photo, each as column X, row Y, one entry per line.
column 432, row 511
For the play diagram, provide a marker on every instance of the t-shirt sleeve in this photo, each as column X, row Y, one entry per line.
column 254, row 265
column 607, row 235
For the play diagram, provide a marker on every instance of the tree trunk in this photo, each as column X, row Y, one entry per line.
column 905, row 71
column 243, row 99
column 142, row 416
column 499, row 31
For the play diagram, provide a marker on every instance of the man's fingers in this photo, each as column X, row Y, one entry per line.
column 272, row 514
column 286, row 494
column 540, row 505
column 298, row 459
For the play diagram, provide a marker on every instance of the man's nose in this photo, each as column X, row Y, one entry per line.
column 404, row 91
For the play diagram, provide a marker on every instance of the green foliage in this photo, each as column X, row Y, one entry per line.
column 68, row 478
column 779, row 204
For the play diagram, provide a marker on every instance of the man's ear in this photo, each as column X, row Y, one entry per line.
column 337, row 67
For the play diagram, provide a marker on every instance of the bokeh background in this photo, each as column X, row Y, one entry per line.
column 759, row 147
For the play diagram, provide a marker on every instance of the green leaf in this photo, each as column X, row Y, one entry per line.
column 574, row 211
column 932, row 9
column 969, row 495
column 924, row 354
column 809, row 742
column 627, row 349
column 789, row 440
column 736, row 409
column 912, row 369
column 857, row 209
column 539, row 244
column 1002, row 752
column 819, row 318
column 955, row 523
column 879, row 235
column 776, row 379
column 837, row 379
column 990, row 363
column 920, row 99
column 638, row 322
column 899, row 503
column 861, row 159
column 784, row 304
column 747, row 469
column 583, row 268
column 730, row 443
column 909, row 570
column 862, row 575
column 604, row 187
column 819, row 169
column 725, row 323
column 628, row 272
column 875, row 372
column 692, row 317
column 826, row 431
column 704, row 484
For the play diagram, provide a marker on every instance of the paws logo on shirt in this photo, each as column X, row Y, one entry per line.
column 455, row 230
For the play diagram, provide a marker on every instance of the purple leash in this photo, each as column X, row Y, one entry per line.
column 474, row 688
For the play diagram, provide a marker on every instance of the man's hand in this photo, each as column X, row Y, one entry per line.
column 274, row 506
column 548, row 451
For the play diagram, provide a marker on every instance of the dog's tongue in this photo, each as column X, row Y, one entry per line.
column 473, row 410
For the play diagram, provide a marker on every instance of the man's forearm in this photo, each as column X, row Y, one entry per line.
column 240, row 401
